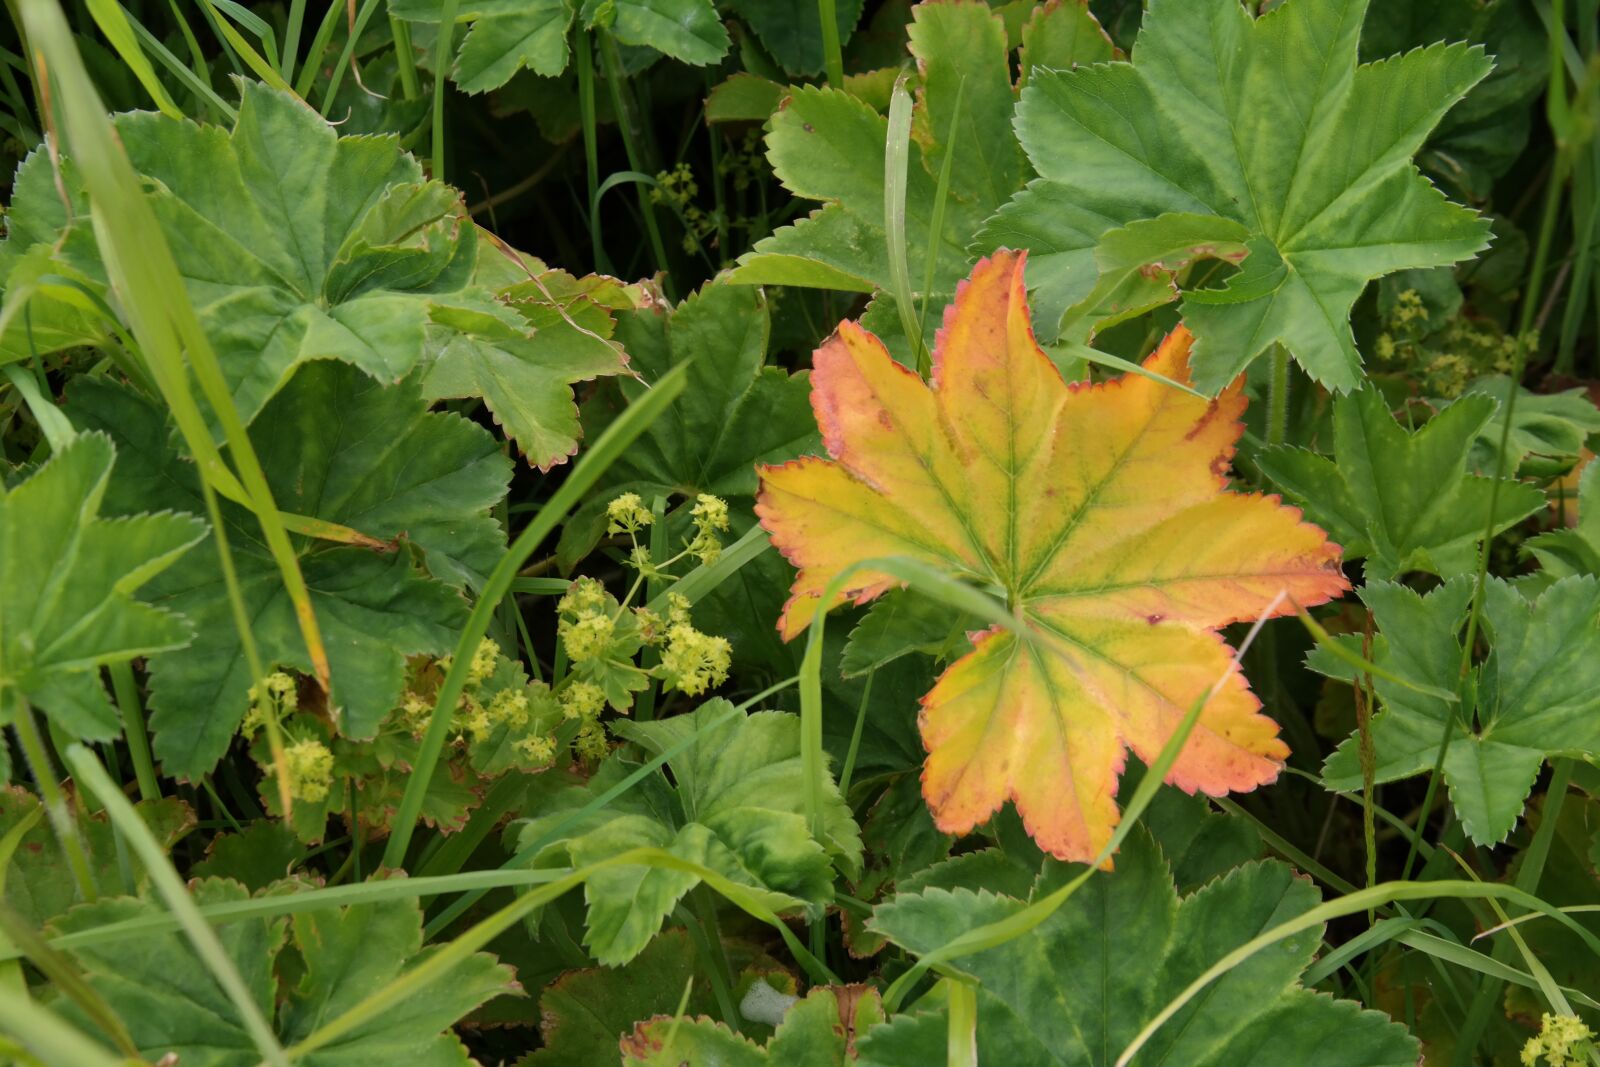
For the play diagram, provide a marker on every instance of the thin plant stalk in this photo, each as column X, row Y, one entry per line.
column 62, row 818
column 126, row 689
column 633, row 144
column 441, row 66
column 832, row 50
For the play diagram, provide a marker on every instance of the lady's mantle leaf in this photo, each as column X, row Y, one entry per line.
column 1310, row 174
column 819, row 1031
column 1404, row 501
column 67, row 578
column 738, row 808
column 1075, row 990
column 736, row 412
column 1101, row 512
column 297, row 244
column 828, row 145
column 339, row 447
column 173, row 1006
column 1538, row 693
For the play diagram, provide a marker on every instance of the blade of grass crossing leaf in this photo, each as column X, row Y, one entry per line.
column 199, row 84
column 705, row 578
column 896, row 158
column 1073, row 350
column 1529, row 874
column 1018, row 924
column 611, row 444
column 1354, row 903
column 303, row 901
column 961, row 1032
column 63, row 819
column 169, row 884
column 1519, row 357
column 440, row 963
column 53, row 424
column 163, row 319
column 126, row 690
column 941, row 197
column 113, row 22
column 48, row 1037
column 63, row 973
column 526, row 854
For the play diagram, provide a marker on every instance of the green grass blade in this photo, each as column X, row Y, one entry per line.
column 113, row 22
column 896, row 160
column 616, row 439
column 169, row 884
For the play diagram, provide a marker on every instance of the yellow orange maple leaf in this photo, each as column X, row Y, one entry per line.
column 1102, row 511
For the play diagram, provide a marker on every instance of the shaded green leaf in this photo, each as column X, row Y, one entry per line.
column 339, row 447
column 67, row 579
column 1402, row 500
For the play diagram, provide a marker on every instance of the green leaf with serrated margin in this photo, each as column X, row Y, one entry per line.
column 1316, row 169
column 1078, row 987
column 1537, row 695
column 737, row 807
column 503, row 37
column 339, row 447
column 1403, row 500
column 67, row 579
column 296, row 244
column 736, row 412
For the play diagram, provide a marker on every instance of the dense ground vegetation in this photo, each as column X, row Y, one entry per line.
column 739, row 532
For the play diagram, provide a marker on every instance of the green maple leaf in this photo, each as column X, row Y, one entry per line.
column 828, row 145
column 1078, row 987
column 818, row 1031
column 296, row 244
column 67, row 579
column 172, row 1005
column 1538, row 693
column 737, row 807
column 1204, row 143
column 1402, row 500
column 339, row 447
column 736, row 411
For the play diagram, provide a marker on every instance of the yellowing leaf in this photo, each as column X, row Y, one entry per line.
column 1100, row 511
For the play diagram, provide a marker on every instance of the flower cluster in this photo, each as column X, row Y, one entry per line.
column 677, row 189
column 1563, row 1041
column 310, row 765
column 1446, row 354
column 692, row 662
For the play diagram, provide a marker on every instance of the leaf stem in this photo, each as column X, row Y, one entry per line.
column 633, row 144
column 133, row 729
column 1278, row 397
column 832, row 50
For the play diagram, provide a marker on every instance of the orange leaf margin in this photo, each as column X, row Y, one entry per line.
column 1103, row 512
